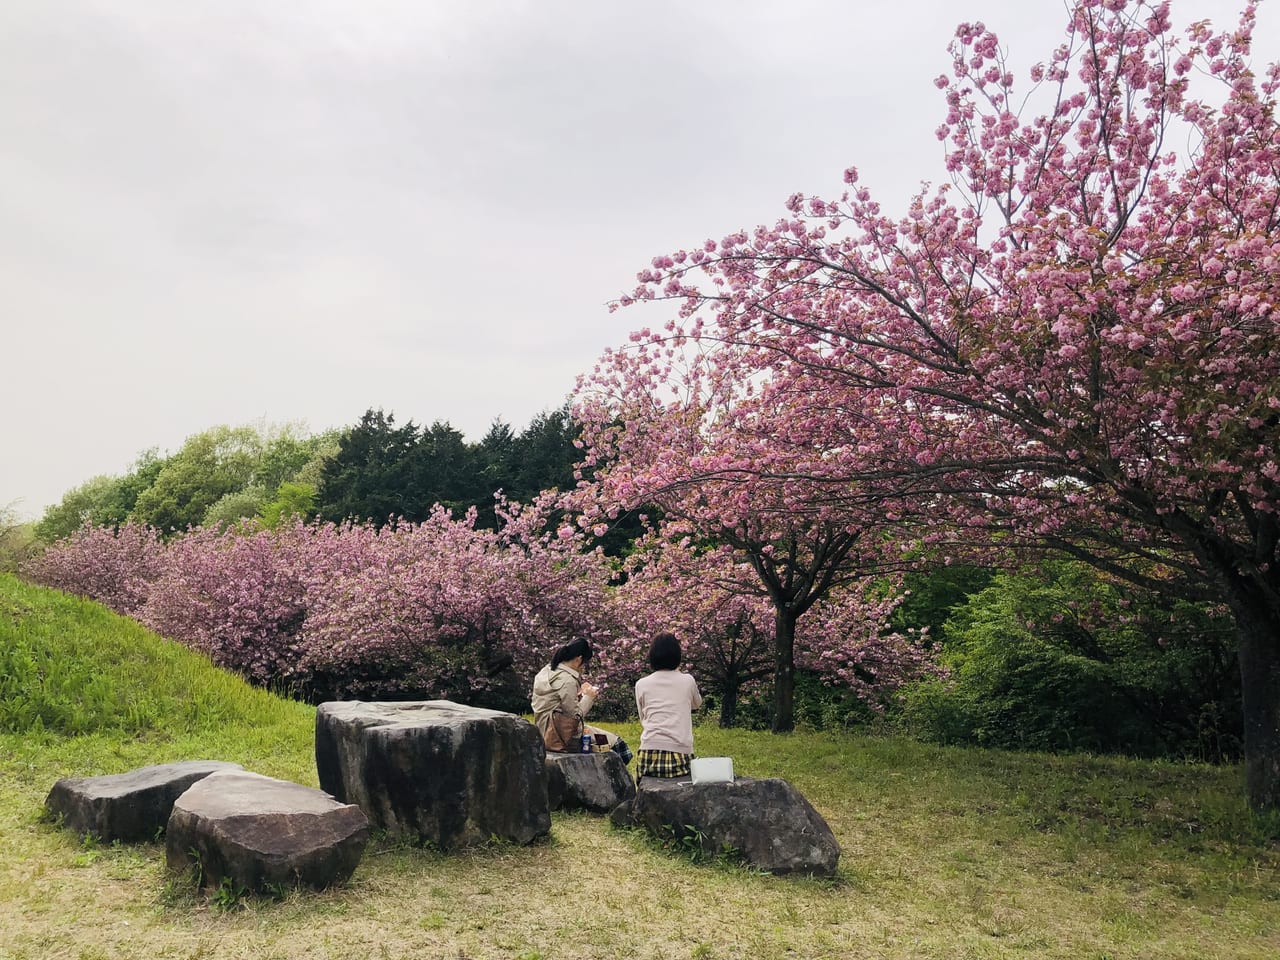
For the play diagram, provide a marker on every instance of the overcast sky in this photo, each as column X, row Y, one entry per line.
column 235, row 211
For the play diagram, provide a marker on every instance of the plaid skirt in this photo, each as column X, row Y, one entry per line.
column 662, row 763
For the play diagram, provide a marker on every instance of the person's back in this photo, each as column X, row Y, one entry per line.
column 556, row 688
column 666, row 700
column 561, row 698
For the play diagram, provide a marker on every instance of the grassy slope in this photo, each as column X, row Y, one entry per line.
column 948, row 853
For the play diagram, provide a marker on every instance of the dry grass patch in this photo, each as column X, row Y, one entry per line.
column 926, row 873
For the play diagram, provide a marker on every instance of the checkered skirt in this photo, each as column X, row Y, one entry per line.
column 662, row 763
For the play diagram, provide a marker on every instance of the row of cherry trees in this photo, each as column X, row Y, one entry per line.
column 443, row 608
column 1073, row 344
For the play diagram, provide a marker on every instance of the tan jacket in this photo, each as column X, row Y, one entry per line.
column 558, row 688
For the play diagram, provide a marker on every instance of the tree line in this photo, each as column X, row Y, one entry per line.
column 1120, row 673
column 373, row 470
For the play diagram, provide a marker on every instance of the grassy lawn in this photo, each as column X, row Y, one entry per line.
column 947, row 853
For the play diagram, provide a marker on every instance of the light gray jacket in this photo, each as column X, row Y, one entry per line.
column 558, row 688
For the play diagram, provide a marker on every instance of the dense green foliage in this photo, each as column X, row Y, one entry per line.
column 370, row 471
column 102, row 501
column 209, row 466
column 1065, row 659
column 293, row 501
column 218, row 476
column 932, row 595
column 382, row 470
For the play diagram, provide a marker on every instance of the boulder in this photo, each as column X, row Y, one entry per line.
column 129, row 807
column 259, row 832
column 766, row 823
column 588, row 781
column 435, row 771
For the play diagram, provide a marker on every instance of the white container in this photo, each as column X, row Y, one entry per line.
column 711, row 770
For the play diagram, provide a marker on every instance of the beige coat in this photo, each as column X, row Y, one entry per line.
column 557, row 689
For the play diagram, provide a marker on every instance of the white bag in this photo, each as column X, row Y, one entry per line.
column 711, row 770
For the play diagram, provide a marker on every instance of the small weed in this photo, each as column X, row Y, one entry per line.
column 229, row 895
column 691, row 843
column 91, row 850
column 177, row 892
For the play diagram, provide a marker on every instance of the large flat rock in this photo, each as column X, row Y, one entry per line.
column 260, row 832
column 435, row 771
column 767, row 823
column 597, row 782
column 130, row 807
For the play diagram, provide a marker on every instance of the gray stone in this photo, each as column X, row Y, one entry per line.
column 767, row 823
column 588, row 781
column 260, row 832
column 435, row 771
column 129, row 807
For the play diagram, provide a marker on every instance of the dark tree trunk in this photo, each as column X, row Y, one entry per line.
column 784, row 673
column 1258, row 624
column 729, row 702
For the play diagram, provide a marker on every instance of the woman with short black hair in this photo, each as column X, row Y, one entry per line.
column 664, row 652
column 666, row 700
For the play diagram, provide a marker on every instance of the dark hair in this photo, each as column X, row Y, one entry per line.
column 664, row 652
column 578, row 647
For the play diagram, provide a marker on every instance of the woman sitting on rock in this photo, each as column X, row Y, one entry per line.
column 666, row 699
column 559, row 690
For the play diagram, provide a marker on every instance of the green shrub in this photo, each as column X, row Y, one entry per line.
column 17, row 541
column 1068, row 660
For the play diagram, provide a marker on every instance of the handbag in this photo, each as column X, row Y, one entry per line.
column 563, row 733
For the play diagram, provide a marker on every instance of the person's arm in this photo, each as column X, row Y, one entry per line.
column 695, row 701
column 574, row 697
column 586, row 697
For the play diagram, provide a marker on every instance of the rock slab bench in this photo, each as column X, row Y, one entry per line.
column 597, row 782
column 260, row 832
column 435, row 771
column 765, row 822
column 130, row 807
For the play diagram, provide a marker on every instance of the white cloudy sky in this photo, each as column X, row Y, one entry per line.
column 229, row 211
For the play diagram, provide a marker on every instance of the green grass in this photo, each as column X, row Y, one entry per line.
column 947, row 852
column 73, row 667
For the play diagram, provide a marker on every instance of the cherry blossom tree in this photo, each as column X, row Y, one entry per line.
column 443, row 608
column 1074, row 341
column 116, row 566
column 712, row 603
column 438, row 608
column 725, row 618
column 237, row 595
column 685, row 430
